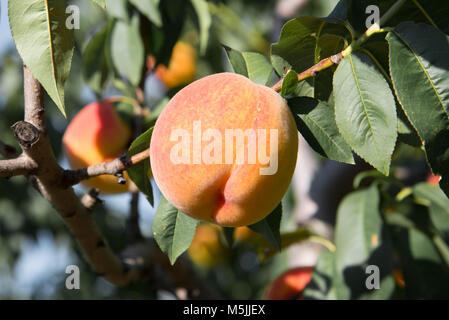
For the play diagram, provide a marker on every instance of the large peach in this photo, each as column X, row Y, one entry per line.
column 214, row 179
column 95, row 135
column 181, row 68
column 207, row 248
column 289, row 285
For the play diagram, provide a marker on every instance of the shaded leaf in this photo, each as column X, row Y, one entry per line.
column 320, row 286
column 420, row 72
column 269, row 227
column 316, row 122
column 150, row 8
column 95, row 64
column 205, row 20
column 438, row 204
column 173, row 230
column 127, row 49
column 425, row 275
column 44, row 43
column 361, row 240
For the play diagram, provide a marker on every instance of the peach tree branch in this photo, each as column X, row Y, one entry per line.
column 336, row 59
column 113, row 167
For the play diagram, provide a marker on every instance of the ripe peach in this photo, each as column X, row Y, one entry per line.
column 207, row 249
column 289, row 285
column 245, row 234
column 214, row 180
column 95, row 135
column 181, row 68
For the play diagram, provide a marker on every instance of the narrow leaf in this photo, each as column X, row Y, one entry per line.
column 44, row 42
column 365, row 110
column 127, row 49
column 95, row 64
column 205, row 20
column 139, row 173
column 173, row 230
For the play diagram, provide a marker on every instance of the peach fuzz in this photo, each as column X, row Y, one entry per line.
column 289, row 285
column 227, row 194
column 95, row 135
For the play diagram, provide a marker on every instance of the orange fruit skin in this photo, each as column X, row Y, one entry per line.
column 227, row 194
column 207, row 249
column 289, row 284
column 95, row 135
column 181, row 68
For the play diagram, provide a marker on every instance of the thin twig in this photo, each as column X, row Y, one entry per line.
column 336, row 59
column 17, row 167
column 312, row 71
column 113, row 167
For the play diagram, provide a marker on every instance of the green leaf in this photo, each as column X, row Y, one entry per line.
column 365, row 110
column 420, row 72
column 304, row 42
column 173, row 15
column 425, row 275
column 320, row 286
column 290, row 83
column 44, row 43
column 127, row 49
column 150, row 8
column 100, row 3
column 438, row 204
column 316, row 122
column 173, row 230
column 251, row 65
column 361, row 240
column 139, row 173
column 95, row 64
column 269, row 227
column 205, row 20
column 118, row 9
